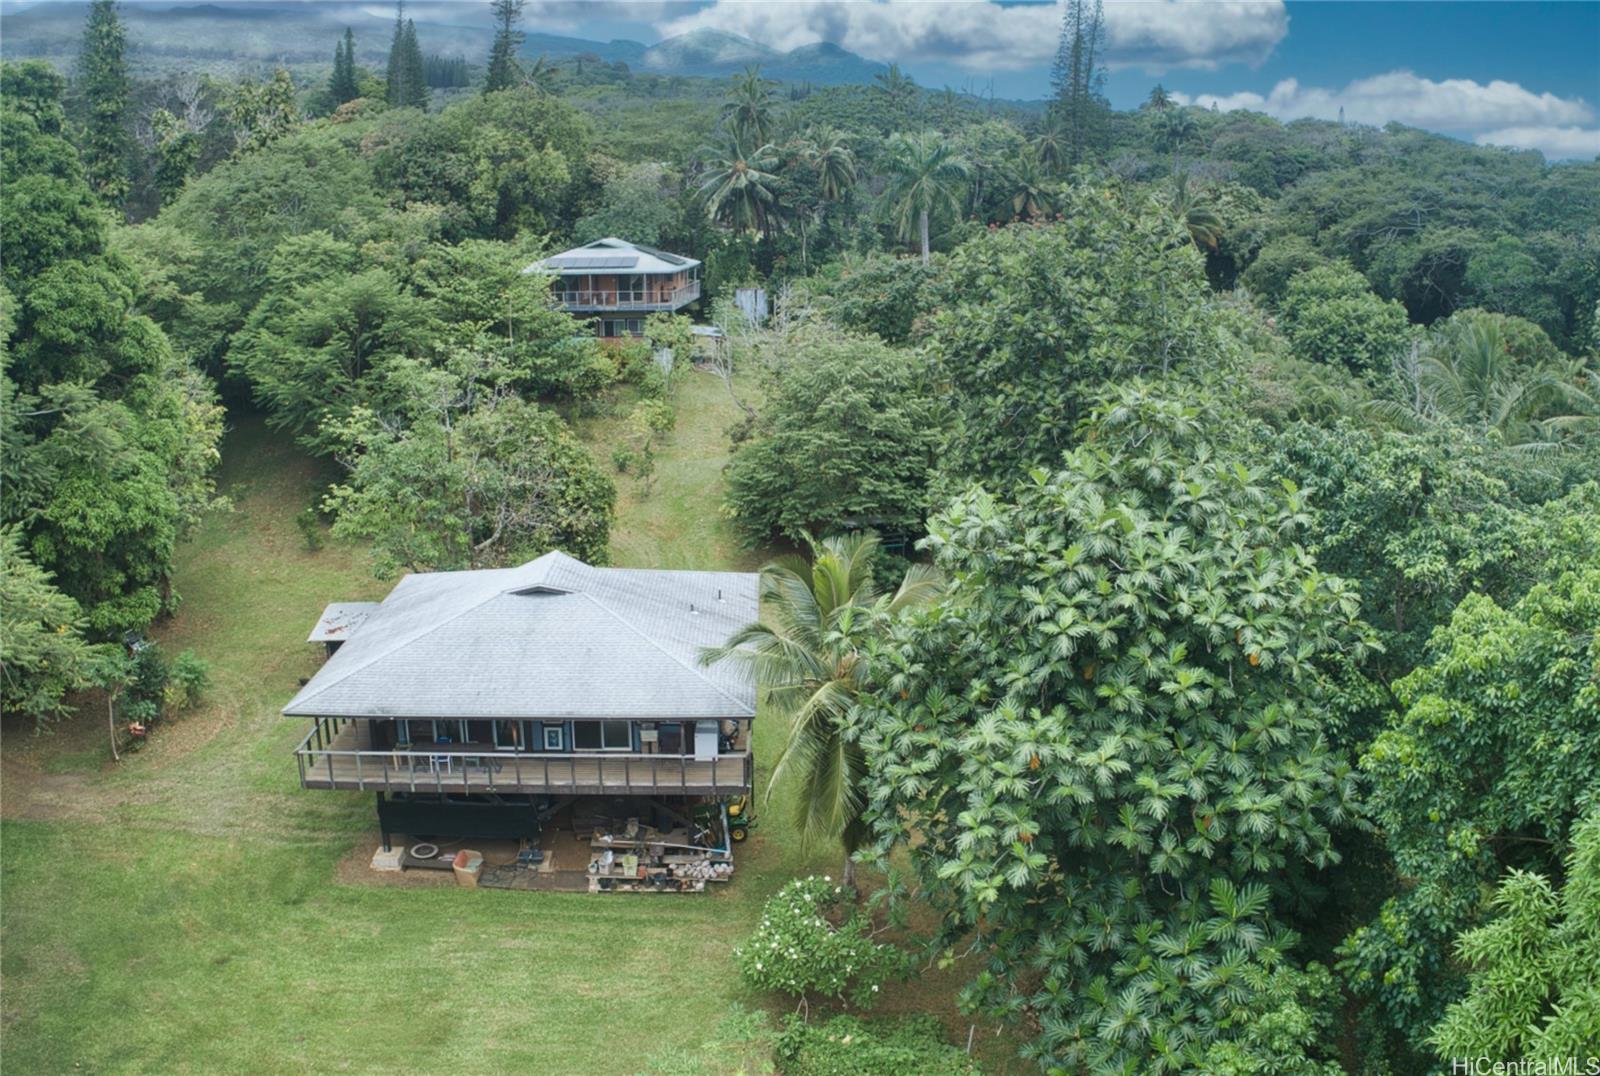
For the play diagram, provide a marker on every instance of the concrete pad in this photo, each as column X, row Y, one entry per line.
column 390, row 860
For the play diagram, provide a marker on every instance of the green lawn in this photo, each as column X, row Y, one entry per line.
column 182, row 911
column 677, row 522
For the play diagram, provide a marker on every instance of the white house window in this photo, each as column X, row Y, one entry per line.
column 601, row 736
column 552, row 737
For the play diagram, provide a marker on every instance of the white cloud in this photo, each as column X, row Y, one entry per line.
column 1556, row 143
column 543, row 16
column 1155, row 35
column 1172, row 34
column 428, row 11
column 548, row 15
column 1456, row 104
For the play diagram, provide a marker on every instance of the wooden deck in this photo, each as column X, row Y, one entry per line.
column 338, row 758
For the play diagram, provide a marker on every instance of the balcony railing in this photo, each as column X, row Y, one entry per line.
column 626, row 299
column 329, row 758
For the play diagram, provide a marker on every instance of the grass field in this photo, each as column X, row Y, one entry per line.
column 191, row 909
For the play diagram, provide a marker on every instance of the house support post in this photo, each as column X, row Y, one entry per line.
column 382, row 828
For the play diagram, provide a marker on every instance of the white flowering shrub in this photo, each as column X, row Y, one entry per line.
column 799, row 949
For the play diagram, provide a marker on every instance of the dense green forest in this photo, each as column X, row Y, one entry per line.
column 1239, row 705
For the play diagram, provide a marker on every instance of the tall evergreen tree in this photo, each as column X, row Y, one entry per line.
column 1080, row 106
column 445, row 72
column 416, row 84
column 394, row 70
column 336, row 79
column 408, row 86
column 104, row 140
column 503, row 68
column 343, row 85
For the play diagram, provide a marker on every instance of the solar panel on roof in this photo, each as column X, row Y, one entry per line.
column 670, row 259
column 586, row 262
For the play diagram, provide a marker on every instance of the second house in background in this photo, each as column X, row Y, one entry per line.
column 620, row 283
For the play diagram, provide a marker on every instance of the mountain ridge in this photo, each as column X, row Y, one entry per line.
column 255, row 34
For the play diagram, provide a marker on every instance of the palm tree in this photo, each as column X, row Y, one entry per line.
column 738, row 187
column 1177, row 127
column 1159, row 100
column 827, row 150
column 1465, row 374
column 925, row 177
column 540, row 77
column 1469, row 377
column 1581, row 399
column 897, row 89
column 808, row 654
column 1050, row 146
column 1031, row 195
column 1198, row 214
column 747, row 112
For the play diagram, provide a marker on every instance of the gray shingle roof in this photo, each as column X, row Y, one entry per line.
column 554, row 638
column 613, row 255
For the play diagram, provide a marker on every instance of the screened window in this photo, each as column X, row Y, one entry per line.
column 601, row 736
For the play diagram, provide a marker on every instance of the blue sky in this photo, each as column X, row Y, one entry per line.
column 1521, row 73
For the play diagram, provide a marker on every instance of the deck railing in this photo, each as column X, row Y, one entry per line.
column 629, row 299
column 469, row 768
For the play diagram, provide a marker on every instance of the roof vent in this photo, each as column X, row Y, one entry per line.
column 540, row 588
